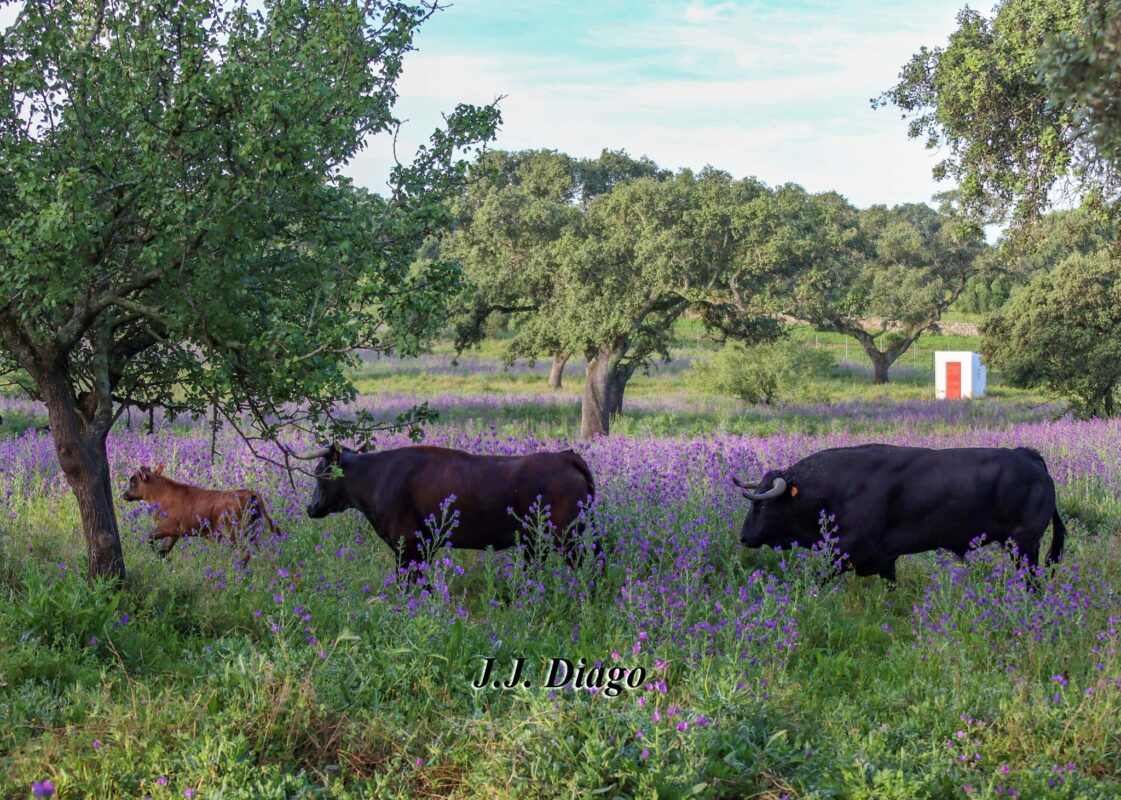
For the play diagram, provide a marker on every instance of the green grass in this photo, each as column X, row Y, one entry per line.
column 199, row 689
column 697, row 409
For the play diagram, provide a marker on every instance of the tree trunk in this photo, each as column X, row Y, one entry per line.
column 880, row 366
column 80, row 446
column 881, row 359
column 604, row 383
column 616, row 385
column 556, row 374
column 595, row 413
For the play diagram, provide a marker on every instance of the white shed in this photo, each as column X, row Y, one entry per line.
column 958, row 374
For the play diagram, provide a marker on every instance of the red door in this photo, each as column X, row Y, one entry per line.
column 953, row 380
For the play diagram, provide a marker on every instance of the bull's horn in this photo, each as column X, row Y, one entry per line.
column 319, row 452
column 736, row 481
column 777, row 488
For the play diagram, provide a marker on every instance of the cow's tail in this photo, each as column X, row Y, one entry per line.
column 260, row 513
column 582, row 466
column 1058, row 537
column 582, row 526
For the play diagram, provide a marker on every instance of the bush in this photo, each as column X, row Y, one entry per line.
column 1063, row 333
column 763, row 373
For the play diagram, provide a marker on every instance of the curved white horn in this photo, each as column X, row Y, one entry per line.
column 777, row 488
column 736, row 481
column 319, row 452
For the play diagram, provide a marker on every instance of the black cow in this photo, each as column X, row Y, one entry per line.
column 396, row 490
column 892, row 501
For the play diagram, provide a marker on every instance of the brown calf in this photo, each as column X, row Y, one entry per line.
column 184, row 510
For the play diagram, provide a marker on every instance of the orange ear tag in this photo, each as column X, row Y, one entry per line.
column 793, row 491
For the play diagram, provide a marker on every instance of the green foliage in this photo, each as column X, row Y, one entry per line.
column 178, row 231
column 1063, row 333
column 1035, row 246
column 1042, row 244
column 534, row 241
column 64, row 611
column 984, row 294
column 921, row 259
column 1019, row 101
column 763, row 373
column 516, row 208
column 600, row 258
column 1079, row 69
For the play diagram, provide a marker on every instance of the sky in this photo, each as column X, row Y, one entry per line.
column 776, row 89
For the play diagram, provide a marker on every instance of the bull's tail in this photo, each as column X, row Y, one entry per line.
column 1058, row 537
column 1058, row 529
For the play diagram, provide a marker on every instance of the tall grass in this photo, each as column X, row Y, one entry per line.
column 315, row 671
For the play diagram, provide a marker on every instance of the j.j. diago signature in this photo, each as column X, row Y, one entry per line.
column 560, row 673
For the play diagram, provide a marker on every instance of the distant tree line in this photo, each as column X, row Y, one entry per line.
column 598, row 258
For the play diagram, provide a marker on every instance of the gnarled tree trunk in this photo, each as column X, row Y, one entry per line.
column 556, row 373
column 604, row 384
column 880, row 365
column 595, row 415
column 881, row 359
column 80, row 446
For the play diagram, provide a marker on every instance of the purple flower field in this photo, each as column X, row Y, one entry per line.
column 733, row 646
column 560, row 411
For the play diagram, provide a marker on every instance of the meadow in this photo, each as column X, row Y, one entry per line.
column 314, row 672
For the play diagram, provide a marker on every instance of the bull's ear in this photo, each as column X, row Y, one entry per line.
column 334, row 455
column 159, row 469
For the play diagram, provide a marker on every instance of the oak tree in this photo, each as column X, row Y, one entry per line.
column 174, row 227
column 1004, row 101
column 604, row 261
column 886, row 275
column 1025, row 105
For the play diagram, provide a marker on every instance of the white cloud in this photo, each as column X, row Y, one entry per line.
column 701, row 13
column 782, row 107
column 8, row 14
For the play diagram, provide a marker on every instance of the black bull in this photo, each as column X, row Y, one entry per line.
column 397, row 490
column 893, row 501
